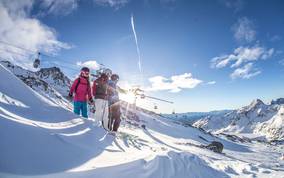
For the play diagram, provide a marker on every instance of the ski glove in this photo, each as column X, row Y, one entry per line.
column 70, row 95
column 91, row 101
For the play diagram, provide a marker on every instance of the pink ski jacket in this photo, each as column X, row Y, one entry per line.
column 83, row 92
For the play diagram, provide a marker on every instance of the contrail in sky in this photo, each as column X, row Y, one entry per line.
column 136, row 41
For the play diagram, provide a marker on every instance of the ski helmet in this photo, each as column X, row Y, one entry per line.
column 108, row 72
column 114, row 77
column 85, row 69
column 85, row 72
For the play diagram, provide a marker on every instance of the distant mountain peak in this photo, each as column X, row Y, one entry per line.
column 256, row 102
column 56, row 69
column 50, row 71
column 278, row 101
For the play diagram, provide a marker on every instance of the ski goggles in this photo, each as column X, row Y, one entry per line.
column 86, row 73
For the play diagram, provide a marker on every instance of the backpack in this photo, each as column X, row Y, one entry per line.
column 76, row 87
column 100, row 88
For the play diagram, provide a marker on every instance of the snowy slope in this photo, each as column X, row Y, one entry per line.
column 274, row 127
column 49, row 82
column 41, row 139
column 257, row 118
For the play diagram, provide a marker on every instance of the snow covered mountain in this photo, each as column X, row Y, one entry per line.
column 49, row 82
column 266, row 120
column 191, row 117
column 41, row 139
column 56, row 79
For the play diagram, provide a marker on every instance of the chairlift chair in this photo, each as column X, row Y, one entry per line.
column 143, row 96
column 155, row 107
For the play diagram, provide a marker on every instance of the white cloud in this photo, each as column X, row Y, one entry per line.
column 245, row 72
column 94, row 65
column 242, row 55
column 174, row 84
column 237, row 5
column 58, row 7
column 18, row 28
column 211, row 83
column 116, row 4
column 244, row 30
column 17, row 7
column 243, row 58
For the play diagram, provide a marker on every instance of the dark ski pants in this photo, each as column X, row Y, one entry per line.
column 115, row 116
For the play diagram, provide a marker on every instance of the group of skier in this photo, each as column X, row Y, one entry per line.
column 105, row 92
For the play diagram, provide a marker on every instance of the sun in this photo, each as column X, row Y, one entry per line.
column 128, row 97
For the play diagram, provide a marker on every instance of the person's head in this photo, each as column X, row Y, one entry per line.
column 114, row 77
column 85, row 71
column 108, row 72
column 104, row 77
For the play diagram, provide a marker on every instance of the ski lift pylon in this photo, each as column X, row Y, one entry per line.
column 36, row 63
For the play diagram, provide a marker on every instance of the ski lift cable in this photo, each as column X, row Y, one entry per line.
column 37, row 61
column 56, row 64
column 25, row 49
column 151, row 97
column 3, row 59
column 36, row 52
column 32, row 51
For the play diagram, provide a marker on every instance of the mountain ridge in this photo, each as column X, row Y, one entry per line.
column 253, row 118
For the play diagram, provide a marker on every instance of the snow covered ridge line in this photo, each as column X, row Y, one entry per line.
column 47, row 78
column 190, row 117
column 49, row 82
column 265, row 121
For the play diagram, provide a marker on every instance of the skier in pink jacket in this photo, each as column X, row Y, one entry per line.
column 82, row 89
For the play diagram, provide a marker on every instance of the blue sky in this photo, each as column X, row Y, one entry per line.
column 203, row 55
